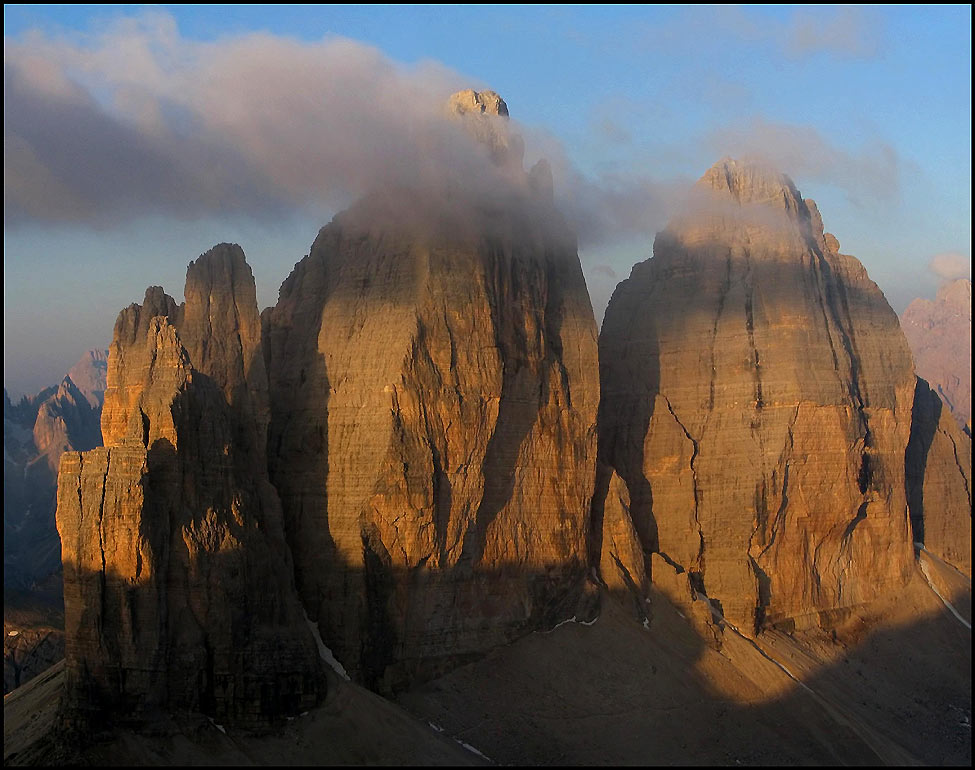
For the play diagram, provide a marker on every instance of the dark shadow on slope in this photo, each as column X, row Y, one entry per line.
column 627, row 398
column 614, row 694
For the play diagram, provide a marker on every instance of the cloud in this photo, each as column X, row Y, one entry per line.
column 140, row 120
column 844, row 32
column 951, row 265
column 871, row 174
column 853, row 32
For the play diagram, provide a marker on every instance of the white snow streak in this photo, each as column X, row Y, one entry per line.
column 323, row 651
column 723, row 619
column 927, row 577
column 571, row 620
column 471, row 749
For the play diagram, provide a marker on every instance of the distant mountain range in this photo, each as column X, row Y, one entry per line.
column 36, row 431
column 940, row 335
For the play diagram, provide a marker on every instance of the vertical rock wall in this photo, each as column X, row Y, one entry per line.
column 756, row 400
column 434, row 391
column 433, row 387
column 178, row 582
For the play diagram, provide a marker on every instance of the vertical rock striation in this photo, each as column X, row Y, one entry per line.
column 434, row 391
column 177, row 579
column 756, row 400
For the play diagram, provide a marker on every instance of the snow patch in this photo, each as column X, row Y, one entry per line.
column 471, row 749
column 323, row 651
column 927, row 577
column 570, row 620
column 573, row 619
column 646, row 624
column 438, row 728
column 219, row 727
column 718, row 616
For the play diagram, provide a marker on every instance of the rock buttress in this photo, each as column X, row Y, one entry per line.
column 434, row 390
column 756, row 400
column 178, row 582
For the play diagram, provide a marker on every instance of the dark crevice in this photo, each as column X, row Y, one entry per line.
column 861, row 515
column 697, row 491
column 925, row 416
column 764, row 595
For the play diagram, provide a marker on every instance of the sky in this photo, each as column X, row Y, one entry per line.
column 137, row 137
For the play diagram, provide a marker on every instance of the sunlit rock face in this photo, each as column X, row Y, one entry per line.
column 940, row 336
column 178, row 582
column 434, row 389
column 756, row 400
column 484, row 115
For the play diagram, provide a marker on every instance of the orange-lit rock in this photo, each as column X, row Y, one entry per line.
column 177, row 580
column 756, row 400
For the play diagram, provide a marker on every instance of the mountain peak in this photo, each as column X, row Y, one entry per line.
column 484, row 115
column 752, row 181
column 957, row 294
column 474, row 102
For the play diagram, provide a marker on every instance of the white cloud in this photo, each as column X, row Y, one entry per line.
column 951, row 265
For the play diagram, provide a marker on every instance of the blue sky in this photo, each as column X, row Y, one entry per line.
column 867, row 108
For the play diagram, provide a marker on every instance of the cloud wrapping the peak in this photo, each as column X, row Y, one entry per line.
column 871, row 174
column 140, row 120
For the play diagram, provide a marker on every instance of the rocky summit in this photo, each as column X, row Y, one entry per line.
column 433, row 394
column 178, row 587
column 756, row 401
column 36, row 431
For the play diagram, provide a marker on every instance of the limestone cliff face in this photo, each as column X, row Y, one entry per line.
column 434, row 391
column 940, row 336
column 939, row 480
column 756, row 400
column 177, row 579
